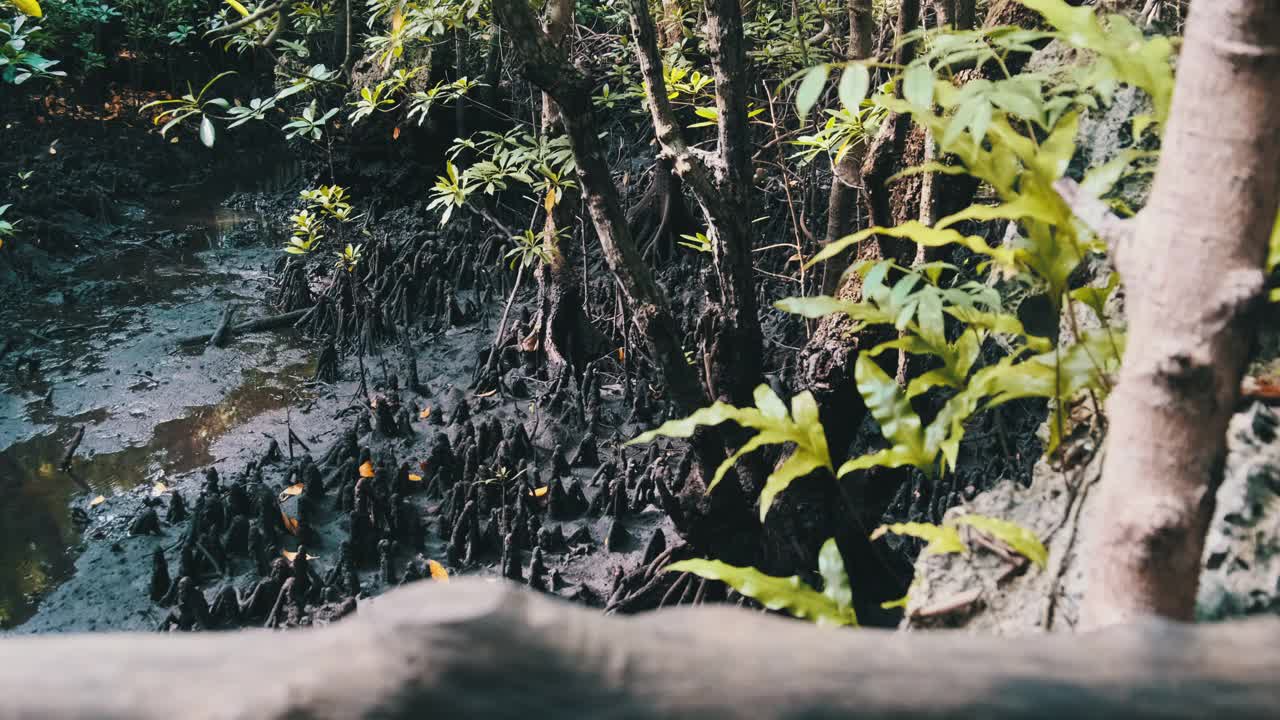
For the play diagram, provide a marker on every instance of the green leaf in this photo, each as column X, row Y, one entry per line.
column 207, row 133
column 917, row 85
column 888, row 404
column 1022, row 540
column 773, row 426
column 943, row 540
column 810, row 88
column 775, row 593
column 795, row 467
column 855, row 82
column 835, row 581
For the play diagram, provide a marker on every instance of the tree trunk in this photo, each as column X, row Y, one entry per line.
column 846, row 175
column 1193, row 273
column 565, row 335
column 722, row 520
column 722, row 185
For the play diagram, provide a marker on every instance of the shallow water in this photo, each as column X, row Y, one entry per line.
column 106, row 344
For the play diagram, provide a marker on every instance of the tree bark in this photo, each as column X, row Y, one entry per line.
column 846, row 175
column 565, row 335
column 722, row 185
column 1194, row 274
column 546, row 65
column 723, row 522
column 483, row 650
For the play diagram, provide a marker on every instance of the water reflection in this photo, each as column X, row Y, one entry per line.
column 36, row 528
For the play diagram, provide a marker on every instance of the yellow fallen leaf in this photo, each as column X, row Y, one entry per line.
column 539, row 491
column 292, row 490
column 622, row 354
column 97, row 501
column 415, row 477
column 437, row 571
column 29, row 7
column 244, row 12
column 159, row 489
column 426, row 413
column 289, row 555
column 366, row 470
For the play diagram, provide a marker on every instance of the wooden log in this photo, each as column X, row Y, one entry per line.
column 270, row 322
column 478, row 649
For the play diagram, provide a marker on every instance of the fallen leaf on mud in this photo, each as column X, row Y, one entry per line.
column 426, row 413
column 395, row 134
column 289, row 555
column 159, row 489
column 539, row 491
column 366, row 470
column 292, row 490
column 415, row 477
column 290, row 523
column 97, row 501
column 1261, row 388
column 487, row 394
column 437, row 571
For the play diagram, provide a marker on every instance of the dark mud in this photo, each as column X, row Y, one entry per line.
column 93, row 346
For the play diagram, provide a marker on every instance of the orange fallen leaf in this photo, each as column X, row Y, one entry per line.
column 291, row 524
column 366, row 470
column 415, row 477
column 159, row 489
column 289, row 555
column 437, row 571
column 540, row 491
column 97, row 501
column 292, row 490
column 1261, row 388
column 395, row 134
column 426, row 413
column 622, row 354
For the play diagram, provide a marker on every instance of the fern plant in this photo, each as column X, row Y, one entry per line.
column 832, row 605
column 774, row 425
column 946, row 538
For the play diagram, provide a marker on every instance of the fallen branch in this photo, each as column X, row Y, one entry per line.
column 271, row 322
column 70, row 454
column 476, row 649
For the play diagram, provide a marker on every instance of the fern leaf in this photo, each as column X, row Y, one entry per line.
column 942, row 540
column 835, row 581
column 800, row 463
column 775, row 593
column 1022, row 540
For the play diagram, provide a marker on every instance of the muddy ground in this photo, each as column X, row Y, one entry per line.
column 94, row 310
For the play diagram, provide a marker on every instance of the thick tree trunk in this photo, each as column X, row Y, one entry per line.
column 547, row 66
column 565, row 335
column 1193, row 273
column 721, row 183
column 481, row 650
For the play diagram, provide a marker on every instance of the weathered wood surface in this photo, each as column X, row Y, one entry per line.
column 479, row 649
